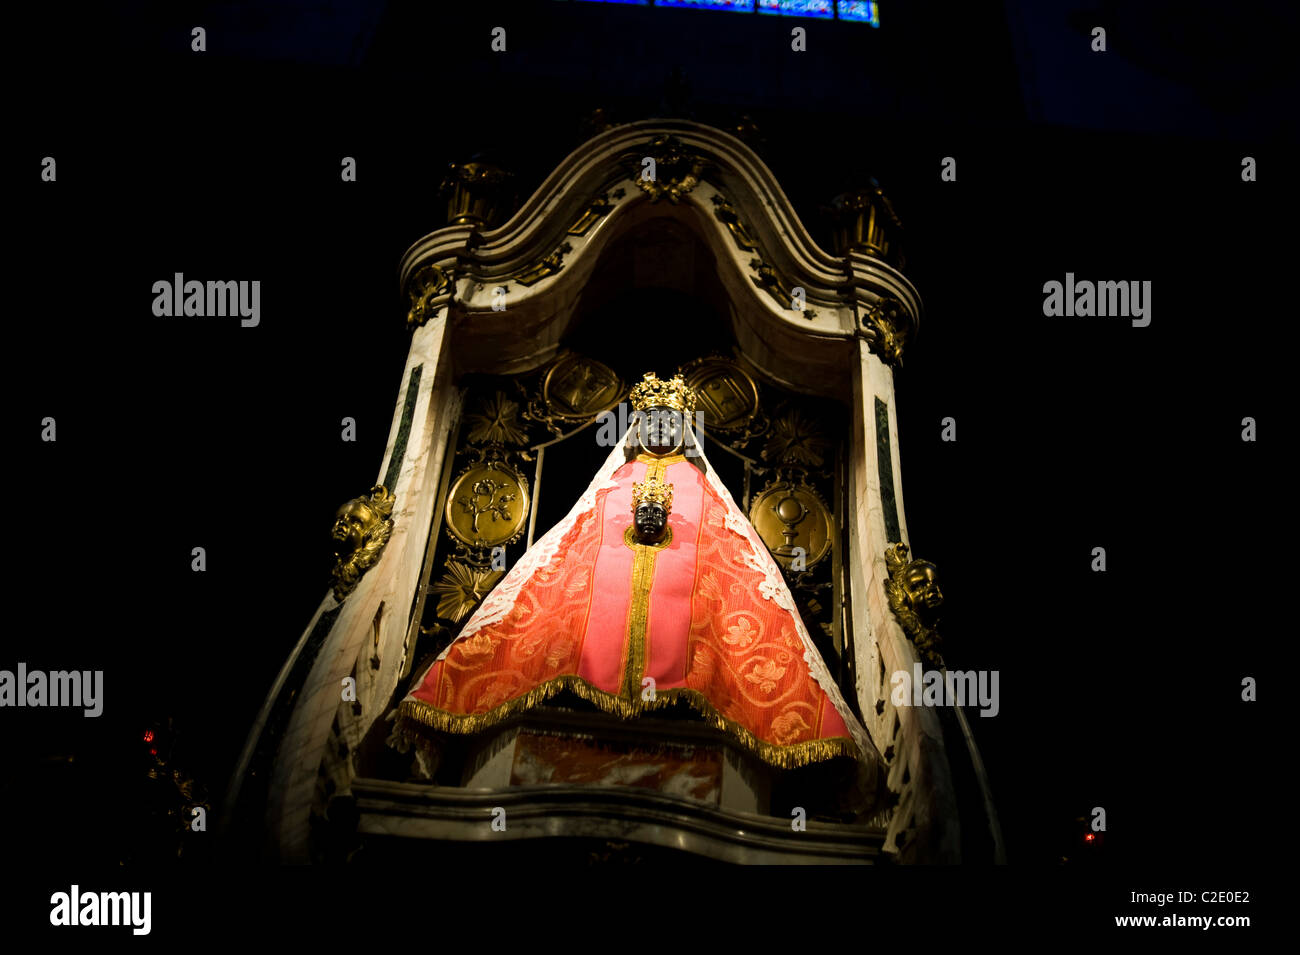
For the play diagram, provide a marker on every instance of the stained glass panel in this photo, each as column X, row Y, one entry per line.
column 824, row 9
column 739, row 6
column 861, row 11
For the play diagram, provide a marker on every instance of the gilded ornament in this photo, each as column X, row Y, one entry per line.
column 765, row 277
column 496, row 421
column 599, row 208
column 677, row 170
column 361, row 530
column 725, row 394
column 794, row 522
column 426, row 285
column 865, row 222
column 885, row 328
column 487, row 505
column 550, row 265
column 724, row 213
column 915, row 598
column 796, row 438
column 476, row 193
column 653, row 392
column 576, row 388
column 462, row 588
column 652, row 491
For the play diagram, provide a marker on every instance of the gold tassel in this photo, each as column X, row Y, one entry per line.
column 416, row 713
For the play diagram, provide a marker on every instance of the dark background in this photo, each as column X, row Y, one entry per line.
column 1119, row 690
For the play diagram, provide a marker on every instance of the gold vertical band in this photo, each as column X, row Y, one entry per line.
column 643, row 572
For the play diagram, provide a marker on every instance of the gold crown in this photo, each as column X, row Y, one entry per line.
column 652, row 491
column 673, row 393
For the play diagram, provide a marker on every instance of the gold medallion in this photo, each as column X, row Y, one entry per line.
column 794, row 522
column 724, row 393
column 577, row 387
column 487, row 505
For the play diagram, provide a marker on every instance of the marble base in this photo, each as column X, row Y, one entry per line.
column 694, row 772
column 677, row 759
column 395, row 814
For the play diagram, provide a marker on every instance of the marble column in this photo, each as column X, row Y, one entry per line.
column 923, row 826
column 369, row 633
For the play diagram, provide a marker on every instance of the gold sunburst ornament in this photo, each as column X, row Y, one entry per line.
column 496, row 420
column 461, row 589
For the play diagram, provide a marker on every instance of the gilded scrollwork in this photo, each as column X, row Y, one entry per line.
column 884, row 325
column 766, row 278
column 597, row 210
column 677, row 169
column 426, row 286
column 549, row 265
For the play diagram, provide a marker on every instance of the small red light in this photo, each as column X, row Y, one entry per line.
column 154, row 752
column 1088, row 837
column 148, row 736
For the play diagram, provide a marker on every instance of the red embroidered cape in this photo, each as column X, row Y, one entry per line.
column 634, row 628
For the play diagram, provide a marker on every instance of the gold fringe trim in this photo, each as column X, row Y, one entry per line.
column 413, row 714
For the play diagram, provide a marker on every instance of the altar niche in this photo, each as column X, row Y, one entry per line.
column 526, row 449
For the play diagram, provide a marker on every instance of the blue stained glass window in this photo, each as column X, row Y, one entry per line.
column 740, row 6
column 798, row 8
column 858, row 11
column 861, row 11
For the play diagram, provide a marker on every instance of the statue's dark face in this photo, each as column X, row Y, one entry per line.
column 662, row 430
column 651, row 519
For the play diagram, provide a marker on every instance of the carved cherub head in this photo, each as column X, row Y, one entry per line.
column 352, row 524
column 921, row 582
column 915, row 597
column 360, row 531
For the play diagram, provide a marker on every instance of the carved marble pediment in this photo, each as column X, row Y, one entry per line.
column 796, row 310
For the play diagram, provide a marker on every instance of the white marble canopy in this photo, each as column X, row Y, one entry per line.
column 813, row 355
